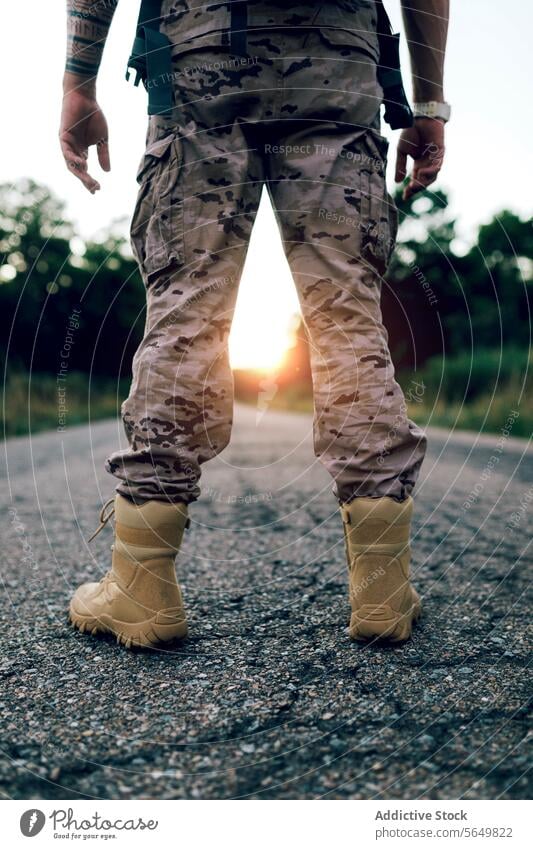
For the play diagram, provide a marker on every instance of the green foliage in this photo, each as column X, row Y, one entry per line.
column 32, row 402
column 474, row 391
column 468, row 376
column 46, row 273
column 447, row 301
column 460, row 318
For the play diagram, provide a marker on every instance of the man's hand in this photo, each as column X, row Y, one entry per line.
column 424, row 142
column 82, row 125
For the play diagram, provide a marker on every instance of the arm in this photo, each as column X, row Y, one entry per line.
column 82, row 121
column 426, row 25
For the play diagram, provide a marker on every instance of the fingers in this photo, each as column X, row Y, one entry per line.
column 103, row 155
column 412, row 188
column 83, row 175
column 401, row 166
column 421, row 178
column 427, row 175
column 77, row 164
column 76, row 160
column 425, row 172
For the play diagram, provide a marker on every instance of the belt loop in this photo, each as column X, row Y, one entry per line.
column 238, row 26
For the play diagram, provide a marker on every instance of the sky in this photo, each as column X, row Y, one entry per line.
column 488, row 166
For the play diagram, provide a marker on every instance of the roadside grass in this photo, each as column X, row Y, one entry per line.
column 479, row 394
column 34, row 403
column 487, row 414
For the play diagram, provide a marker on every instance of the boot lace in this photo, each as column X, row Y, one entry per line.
column 106, row 513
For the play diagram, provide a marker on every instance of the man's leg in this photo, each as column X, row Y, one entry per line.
column 200, row 184
column 338, row 225
column 190, row 232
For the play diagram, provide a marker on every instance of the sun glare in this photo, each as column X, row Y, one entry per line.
column 259, row 345
column 263, row 327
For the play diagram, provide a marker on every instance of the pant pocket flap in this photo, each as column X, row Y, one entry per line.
column 154, row 152
column 350, row 39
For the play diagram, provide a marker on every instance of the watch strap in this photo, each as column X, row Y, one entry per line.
column 432, row 109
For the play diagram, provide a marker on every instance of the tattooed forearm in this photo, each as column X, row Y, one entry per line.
column 88, row 23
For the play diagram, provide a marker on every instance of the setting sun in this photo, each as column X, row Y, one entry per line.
column 258, row 347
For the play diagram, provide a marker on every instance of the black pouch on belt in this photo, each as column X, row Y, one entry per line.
column 151, row 59
column 398, row 113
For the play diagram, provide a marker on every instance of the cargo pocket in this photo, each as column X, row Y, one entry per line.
column 157, row 224
column 379, row 216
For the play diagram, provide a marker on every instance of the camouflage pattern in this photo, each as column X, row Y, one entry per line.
column 187, row 20
column 299, row 115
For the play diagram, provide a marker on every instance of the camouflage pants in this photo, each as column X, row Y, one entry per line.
column 300, row 116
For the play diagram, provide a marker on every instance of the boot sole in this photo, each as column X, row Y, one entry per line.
column 165, row 626
column 380, row 622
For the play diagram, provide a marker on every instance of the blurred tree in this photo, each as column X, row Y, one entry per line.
column 436, row 300
column 439, row 301
column 46, row 273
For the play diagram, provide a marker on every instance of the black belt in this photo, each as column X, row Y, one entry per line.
column 238, row 27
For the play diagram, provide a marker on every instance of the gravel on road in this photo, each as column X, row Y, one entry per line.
column 268, row 698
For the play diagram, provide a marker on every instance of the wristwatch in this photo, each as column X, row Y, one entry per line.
column 432, row 109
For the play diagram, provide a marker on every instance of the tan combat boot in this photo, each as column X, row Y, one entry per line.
column 139, row 600
column 384, row 604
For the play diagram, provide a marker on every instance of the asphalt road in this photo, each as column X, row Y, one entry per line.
column 268, row 698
